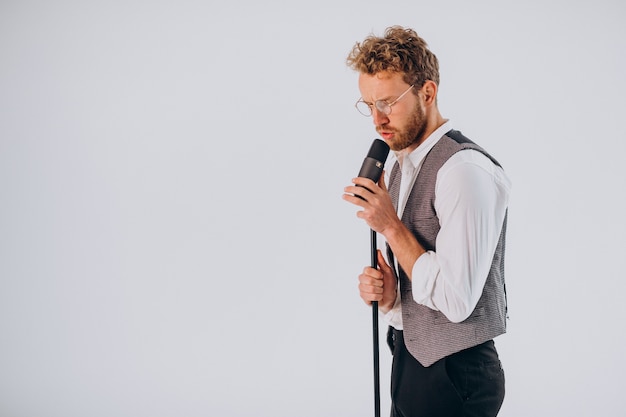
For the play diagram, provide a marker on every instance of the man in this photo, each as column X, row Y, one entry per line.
column 444, row 220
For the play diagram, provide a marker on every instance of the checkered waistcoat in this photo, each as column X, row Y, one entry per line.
column 428, row 334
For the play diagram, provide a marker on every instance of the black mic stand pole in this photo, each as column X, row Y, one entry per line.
column 372, row 168
column 374, row 264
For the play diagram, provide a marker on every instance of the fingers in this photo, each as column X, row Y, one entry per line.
column 371, row 285
column 354, row 195
column 364, row 182
column 378, row 284
column 362, row 187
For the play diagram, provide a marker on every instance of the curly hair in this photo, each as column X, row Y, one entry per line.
column 400, row 50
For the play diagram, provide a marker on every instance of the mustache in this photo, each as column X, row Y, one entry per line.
column 385, row 128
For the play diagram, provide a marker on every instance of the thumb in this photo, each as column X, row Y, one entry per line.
column 381, row 181
column 382, row 262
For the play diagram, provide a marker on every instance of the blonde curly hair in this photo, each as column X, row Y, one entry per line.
column 400, row 50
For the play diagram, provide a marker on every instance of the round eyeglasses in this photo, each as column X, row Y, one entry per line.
column 366, row 109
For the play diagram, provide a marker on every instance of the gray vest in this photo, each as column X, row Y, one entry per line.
column 428, row 334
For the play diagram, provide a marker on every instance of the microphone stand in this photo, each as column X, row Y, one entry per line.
column 374, row 264
column 372, row 168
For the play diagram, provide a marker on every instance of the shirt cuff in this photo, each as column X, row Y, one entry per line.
column 394, row 316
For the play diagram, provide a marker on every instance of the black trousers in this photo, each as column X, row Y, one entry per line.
column 469, row 383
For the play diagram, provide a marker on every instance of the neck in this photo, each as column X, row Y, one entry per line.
column 433, row 122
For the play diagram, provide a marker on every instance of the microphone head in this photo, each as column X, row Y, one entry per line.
column 374, row 162
column 379, row 150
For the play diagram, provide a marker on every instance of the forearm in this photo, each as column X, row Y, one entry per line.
column 405, row 247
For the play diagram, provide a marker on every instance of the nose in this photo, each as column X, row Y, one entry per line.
column 379, row 118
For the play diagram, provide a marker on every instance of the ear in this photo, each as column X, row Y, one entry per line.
column 429, row 89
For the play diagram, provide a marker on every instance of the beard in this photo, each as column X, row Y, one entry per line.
column 411, row 134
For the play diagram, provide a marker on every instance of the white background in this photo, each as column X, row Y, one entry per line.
column 172, row 236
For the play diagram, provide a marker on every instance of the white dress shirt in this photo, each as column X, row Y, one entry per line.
column 471, row 197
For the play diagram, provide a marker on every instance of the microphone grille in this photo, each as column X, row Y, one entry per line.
column 379, row 150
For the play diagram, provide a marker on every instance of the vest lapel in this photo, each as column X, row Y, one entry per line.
column 394, row 193
column 394, row 184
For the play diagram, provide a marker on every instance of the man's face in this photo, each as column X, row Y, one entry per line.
column 404, row 127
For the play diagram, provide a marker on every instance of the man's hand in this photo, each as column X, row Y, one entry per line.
column 378, row 285
column 380, row 215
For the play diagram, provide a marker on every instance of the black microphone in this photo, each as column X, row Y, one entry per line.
column 374, row 162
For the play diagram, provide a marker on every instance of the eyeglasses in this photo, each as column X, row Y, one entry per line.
column 366, row 109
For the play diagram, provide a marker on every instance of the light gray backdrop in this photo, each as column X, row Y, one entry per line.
column 172, row 236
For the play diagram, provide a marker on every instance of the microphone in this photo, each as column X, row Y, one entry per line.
column 374, row 162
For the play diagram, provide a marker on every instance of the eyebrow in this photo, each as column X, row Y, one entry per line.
column 380, row 99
